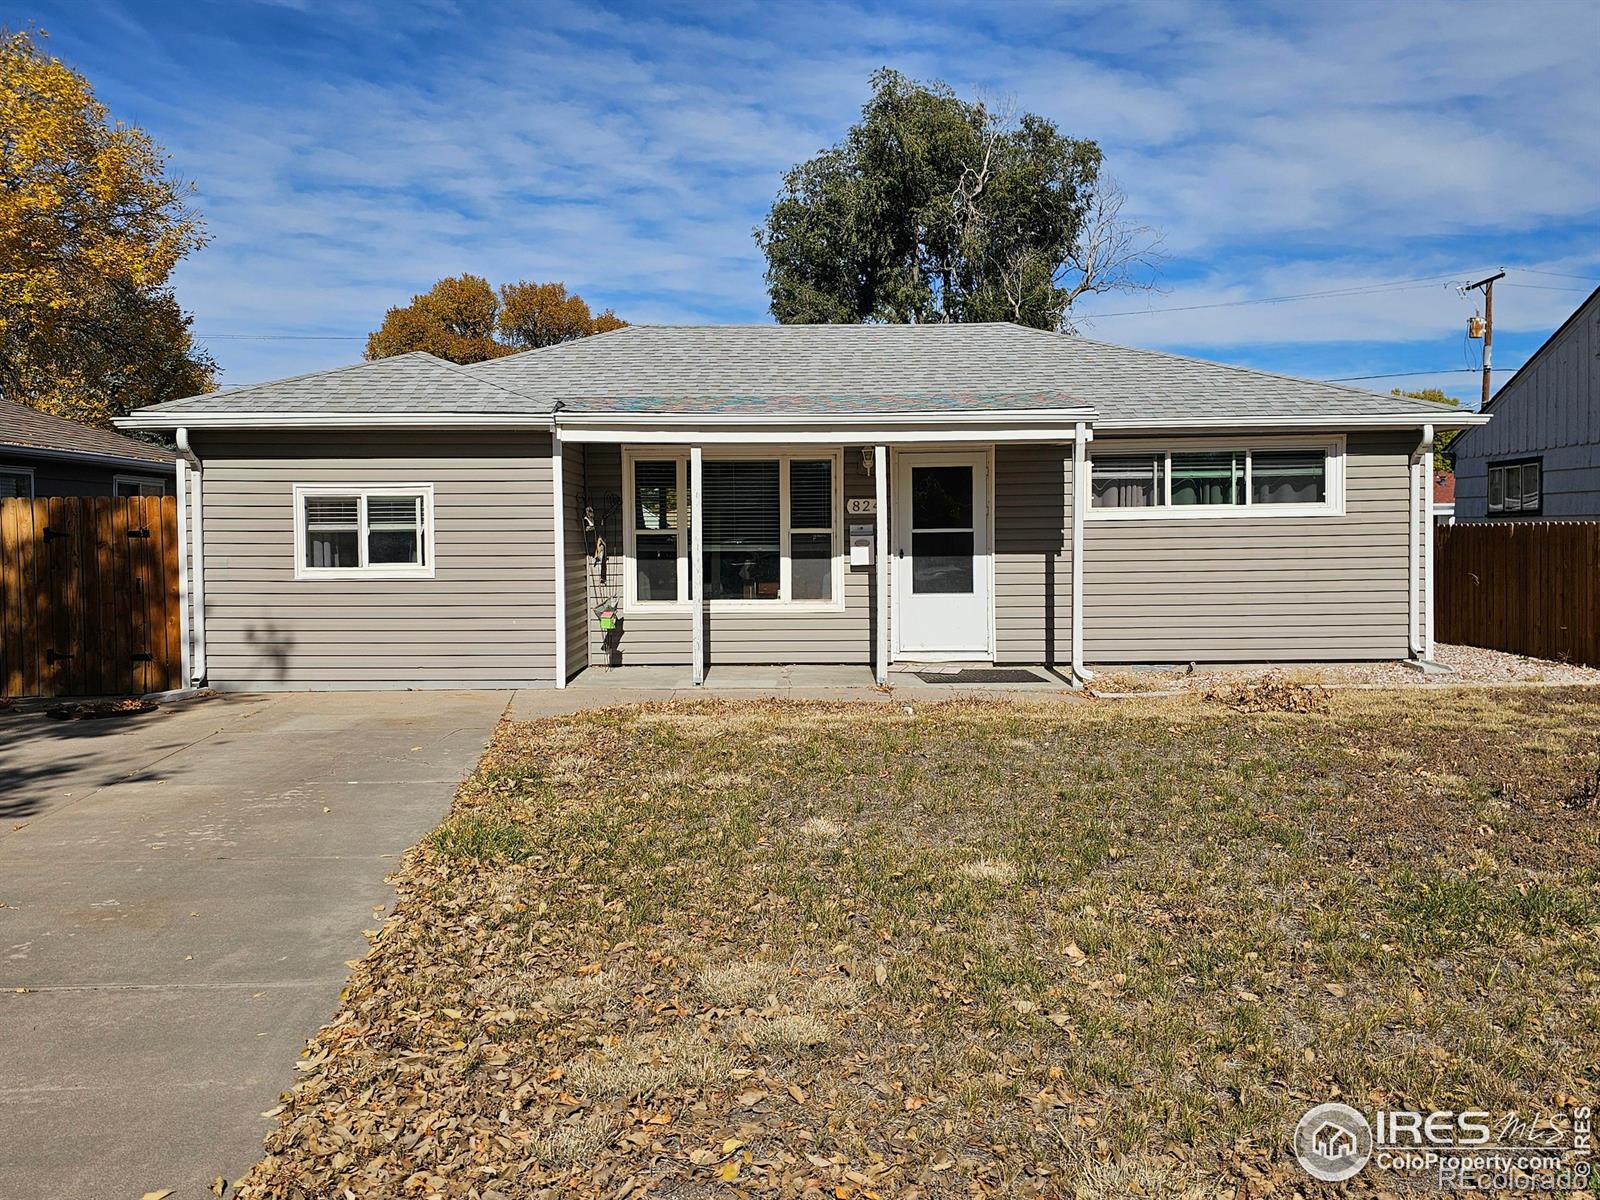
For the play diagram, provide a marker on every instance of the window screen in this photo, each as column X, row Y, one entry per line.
column 742, row 544
column 811, row 529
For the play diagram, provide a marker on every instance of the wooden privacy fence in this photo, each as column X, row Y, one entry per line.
column 1531, row 587
column 89, row 596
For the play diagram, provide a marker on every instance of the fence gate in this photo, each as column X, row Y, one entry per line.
column 1530, row 587
column 89, row 596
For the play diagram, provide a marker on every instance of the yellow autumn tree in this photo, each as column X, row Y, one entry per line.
column 459, row 318
column 91, row 227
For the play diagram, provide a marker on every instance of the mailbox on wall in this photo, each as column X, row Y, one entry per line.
column 862, row 540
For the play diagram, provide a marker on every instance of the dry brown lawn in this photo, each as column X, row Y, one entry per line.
column 1088, row 950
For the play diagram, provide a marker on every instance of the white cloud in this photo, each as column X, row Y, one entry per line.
column 349, row 154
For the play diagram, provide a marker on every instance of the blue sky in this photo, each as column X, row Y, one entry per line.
column 346, row 154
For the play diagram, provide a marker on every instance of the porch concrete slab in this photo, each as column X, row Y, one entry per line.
column 179, row 894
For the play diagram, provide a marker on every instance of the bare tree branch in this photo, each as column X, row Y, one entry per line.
column 1111, row 254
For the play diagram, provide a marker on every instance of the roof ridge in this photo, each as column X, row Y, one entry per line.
column 588, row 337
column 480, row 379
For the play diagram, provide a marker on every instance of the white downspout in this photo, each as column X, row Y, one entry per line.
column 1432, row 587
column 697, row 540
column 184, row 660
column 880, row 471
column 558, row 489
column 1414, row 548
column 1080, row 499
column 197, row 534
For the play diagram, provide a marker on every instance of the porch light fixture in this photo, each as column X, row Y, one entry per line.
column 866, row 461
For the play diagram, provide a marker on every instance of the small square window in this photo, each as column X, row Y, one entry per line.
column 377, row 533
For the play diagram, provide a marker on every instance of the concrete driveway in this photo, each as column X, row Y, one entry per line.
column 179, row 894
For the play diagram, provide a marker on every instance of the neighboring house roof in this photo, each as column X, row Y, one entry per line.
column 30, row 431
column 1539, row 353
column 1444, row 487
column 819, row 371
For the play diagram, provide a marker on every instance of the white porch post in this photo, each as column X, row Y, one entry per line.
column 1080, row 501
column 185, row 679
column 558, row 490
column 880, row 475
column 697, row 581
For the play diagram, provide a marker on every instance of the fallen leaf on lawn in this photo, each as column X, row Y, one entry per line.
column 1335, row 989
column 881, row 974
column 797, row 1093
column 1075, row 952
column 729, row 1171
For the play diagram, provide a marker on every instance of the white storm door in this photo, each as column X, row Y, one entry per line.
column 941, row 546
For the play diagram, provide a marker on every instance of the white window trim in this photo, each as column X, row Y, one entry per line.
column 630, row 599
column 363, row 490
column 141, row 481
column 22, row 473
column 1332, row 506
column 1502, row 466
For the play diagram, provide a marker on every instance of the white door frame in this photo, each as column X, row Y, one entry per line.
column 900, row 506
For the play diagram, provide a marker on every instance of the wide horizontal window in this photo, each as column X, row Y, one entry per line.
column 770, row 530
column 1514, row 488
column 1198, row 482
column 347, row 531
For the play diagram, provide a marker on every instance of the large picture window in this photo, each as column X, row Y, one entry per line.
column 770, row 532
column 341, row 530
column 1217, row 481
column 1515, row 488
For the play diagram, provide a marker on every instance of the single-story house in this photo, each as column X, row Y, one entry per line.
column 42, row 455
column 1540, row 459
column 851, row 494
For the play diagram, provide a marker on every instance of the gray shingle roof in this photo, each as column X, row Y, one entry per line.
column 29, row 429
column 416, row 382
column 810, row 368
column 817, row 370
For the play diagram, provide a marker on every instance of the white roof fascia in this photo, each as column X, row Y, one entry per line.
column 290, row 420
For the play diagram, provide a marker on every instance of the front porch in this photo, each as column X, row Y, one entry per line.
column 818, row 682
column 793, row 561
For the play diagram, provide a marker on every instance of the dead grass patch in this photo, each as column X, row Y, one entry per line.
column 974, row 950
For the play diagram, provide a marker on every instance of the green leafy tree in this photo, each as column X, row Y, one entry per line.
column 935, row 208
column 464, row 320
column 1442, row 459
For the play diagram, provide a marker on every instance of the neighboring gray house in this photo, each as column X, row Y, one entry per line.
column 858, row 494
column 1540, row 457
column 41, row 456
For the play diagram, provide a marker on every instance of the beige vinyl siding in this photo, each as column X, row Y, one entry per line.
column 1259, row 590
column 574, row 550
column 486, row 618
column 1033, row 554
column 747, row 636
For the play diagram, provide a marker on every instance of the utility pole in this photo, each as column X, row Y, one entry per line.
column 1487, row 285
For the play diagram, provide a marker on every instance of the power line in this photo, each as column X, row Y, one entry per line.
column 1358, row 290
column 1558, row 274
column 1405, row 374
column 280, row 337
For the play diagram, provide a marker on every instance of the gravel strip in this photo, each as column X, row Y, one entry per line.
column 1473, row 666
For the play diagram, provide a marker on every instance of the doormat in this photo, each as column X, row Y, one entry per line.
column 980, row 675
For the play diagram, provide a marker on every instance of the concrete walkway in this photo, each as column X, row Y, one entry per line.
column 605, row 687
column 179, row 894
